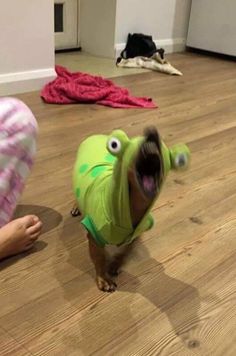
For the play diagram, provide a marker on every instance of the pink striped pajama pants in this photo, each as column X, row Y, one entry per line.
column 18, row 131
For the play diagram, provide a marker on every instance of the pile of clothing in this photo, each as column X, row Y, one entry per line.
column 71, row 88
column 141, row 52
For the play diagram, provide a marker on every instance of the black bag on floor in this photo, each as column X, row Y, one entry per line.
column 139, row 44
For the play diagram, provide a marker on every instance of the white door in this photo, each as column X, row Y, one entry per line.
column 66, row 23
column 212, row 26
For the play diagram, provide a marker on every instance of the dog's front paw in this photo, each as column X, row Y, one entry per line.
column 106, row 284
column 113, row 269
column 75, row 212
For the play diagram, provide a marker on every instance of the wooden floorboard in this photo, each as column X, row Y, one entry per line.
column 176, row 296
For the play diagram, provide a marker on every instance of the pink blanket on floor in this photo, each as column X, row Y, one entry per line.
column 69, row 88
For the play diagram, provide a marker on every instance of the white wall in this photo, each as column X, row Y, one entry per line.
column 26, row 45
column 97, row 26
column 166, row 20
column 217, row 32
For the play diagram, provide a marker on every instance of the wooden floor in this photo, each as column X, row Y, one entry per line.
column 176, row 296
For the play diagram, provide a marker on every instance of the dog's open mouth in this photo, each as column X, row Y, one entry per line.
column 148, row 184
column 148, row 168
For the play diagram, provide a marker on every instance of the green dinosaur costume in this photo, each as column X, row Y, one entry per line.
column 101, row 185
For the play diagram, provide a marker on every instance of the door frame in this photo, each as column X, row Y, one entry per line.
column 74, row 43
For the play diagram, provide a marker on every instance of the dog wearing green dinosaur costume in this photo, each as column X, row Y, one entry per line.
column 116, row 182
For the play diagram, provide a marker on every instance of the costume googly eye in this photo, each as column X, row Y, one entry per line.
column 181, row 160
column 114, row 145
column 117, row 143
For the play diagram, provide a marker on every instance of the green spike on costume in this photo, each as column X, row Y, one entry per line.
column 100, row 183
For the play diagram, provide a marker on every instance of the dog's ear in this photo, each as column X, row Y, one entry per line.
column 151, row 134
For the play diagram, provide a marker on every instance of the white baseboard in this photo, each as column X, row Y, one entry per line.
column 170, row 45
column 22, row 82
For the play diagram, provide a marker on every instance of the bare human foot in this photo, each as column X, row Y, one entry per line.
column 19, row 235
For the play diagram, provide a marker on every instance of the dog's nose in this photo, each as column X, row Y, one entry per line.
column 149, row 148
column 151, row 134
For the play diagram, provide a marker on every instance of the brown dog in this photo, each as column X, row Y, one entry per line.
column 148, row 163
column 116, row 191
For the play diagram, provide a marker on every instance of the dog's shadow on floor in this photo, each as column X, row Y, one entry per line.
column 50, row 219
column 179, row 301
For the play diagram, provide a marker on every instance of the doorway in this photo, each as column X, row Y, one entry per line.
column 66, row 24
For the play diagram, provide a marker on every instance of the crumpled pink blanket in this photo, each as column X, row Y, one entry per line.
column 69, row 88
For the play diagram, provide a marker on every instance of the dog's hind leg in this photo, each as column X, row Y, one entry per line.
column 75, row 210
column 98, row 256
